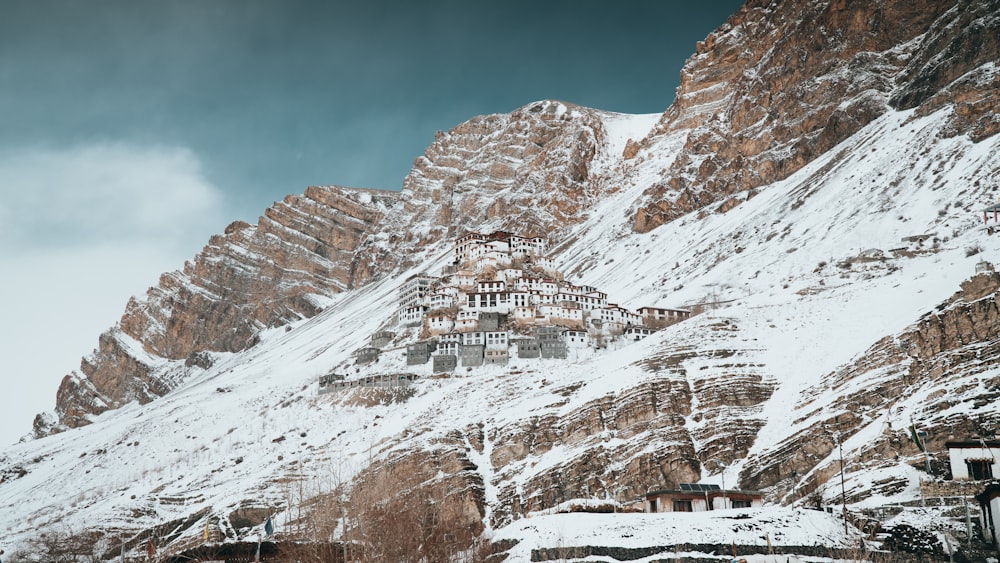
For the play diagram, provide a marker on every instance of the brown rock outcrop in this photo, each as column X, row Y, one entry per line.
column 527, row 171
column 783, row 82
column 657, row 433
column 246, row 279
column 941, row 356
column 254, row 277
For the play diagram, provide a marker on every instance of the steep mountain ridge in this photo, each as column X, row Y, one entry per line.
column 830, row 317
column 703, row 397
column 300, row 253
column 540, row 168
column 781, row 83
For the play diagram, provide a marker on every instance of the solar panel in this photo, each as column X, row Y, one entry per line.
column 698, row 487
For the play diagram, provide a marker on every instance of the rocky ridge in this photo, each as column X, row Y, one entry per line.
column 695, row 399
column 937, row 361
column 300, row 253
column 748, row 112
column 781, row 83
column 534, row 169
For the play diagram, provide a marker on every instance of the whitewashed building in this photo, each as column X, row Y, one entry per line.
column 473, row 338
column 974, row 460
column 491, row 286
column 490, row 303
column 541, row 286
column 525, row 247
column 496, row 340
column 414, row 289
column 466, row 320
column 439, row 323
column 449, row 348
column 523, row 314
column 614, row 316
column 510, row 274
column 556, row 313
column 442, row 298
column 576, row 338
column 666, row 316
column 411, row 315
column 636, row 333
column 450, row 337
column 465, row 244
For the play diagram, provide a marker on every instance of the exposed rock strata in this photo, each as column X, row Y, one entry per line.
column 530, row 171
column 945, row 349
column 783, row 82
column 302, row 250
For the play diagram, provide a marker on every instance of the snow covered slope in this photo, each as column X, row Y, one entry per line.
column 251, row 430
column 835, row 309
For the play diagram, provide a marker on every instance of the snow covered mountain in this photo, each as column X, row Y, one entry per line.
column 817, row 197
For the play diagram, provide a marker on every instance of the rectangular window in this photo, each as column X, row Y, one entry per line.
column 740, row 503
column 980, row 469
column 682, row 506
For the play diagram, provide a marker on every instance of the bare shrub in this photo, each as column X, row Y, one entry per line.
column 62, row 545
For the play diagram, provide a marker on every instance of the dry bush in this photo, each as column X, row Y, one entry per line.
column 62, row 545
column 396, row 515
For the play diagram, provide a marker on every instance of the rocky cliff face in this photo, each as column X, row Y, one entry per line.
column 692, row 409
column 536, row 170
column 783, row 82
column 938, row 360
column 302, row 251
column 778, row 85
column 533, row 171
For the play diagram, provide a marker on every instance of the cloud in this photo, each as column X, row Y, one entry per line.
column 102, row 193
column 82, row 230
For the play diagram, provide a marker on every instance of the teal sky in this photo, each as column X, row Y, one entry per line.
column 272, row 96
column 133, row 130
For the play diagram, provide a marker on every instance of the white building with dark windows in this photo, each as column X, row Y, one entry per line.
column 527, row 247
column 576, row 338
column 442, row 299
column 654, row 315
column 414, row 289
column 974, row 460
column 411, row 315
column 466, row 320
column 438, row 323
column 490, row 303
column 510, row 274
column 491, row 286
column 618, row 317
column 557, row 313
column 541, row 286
column 473, row 339
column 496, row 340
column 636, row 333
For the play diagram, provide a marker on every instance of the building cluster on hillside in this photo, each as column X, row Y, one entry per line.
column 500, row 296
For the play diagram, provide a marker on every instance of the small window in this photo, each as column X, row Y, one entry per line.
column 980, row 469
column 682, row 506
column 740, row 503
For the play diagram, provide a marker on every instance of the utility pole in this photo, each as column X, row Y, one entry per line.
column 843, row 493
column 968, row 522
column 725, row 496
